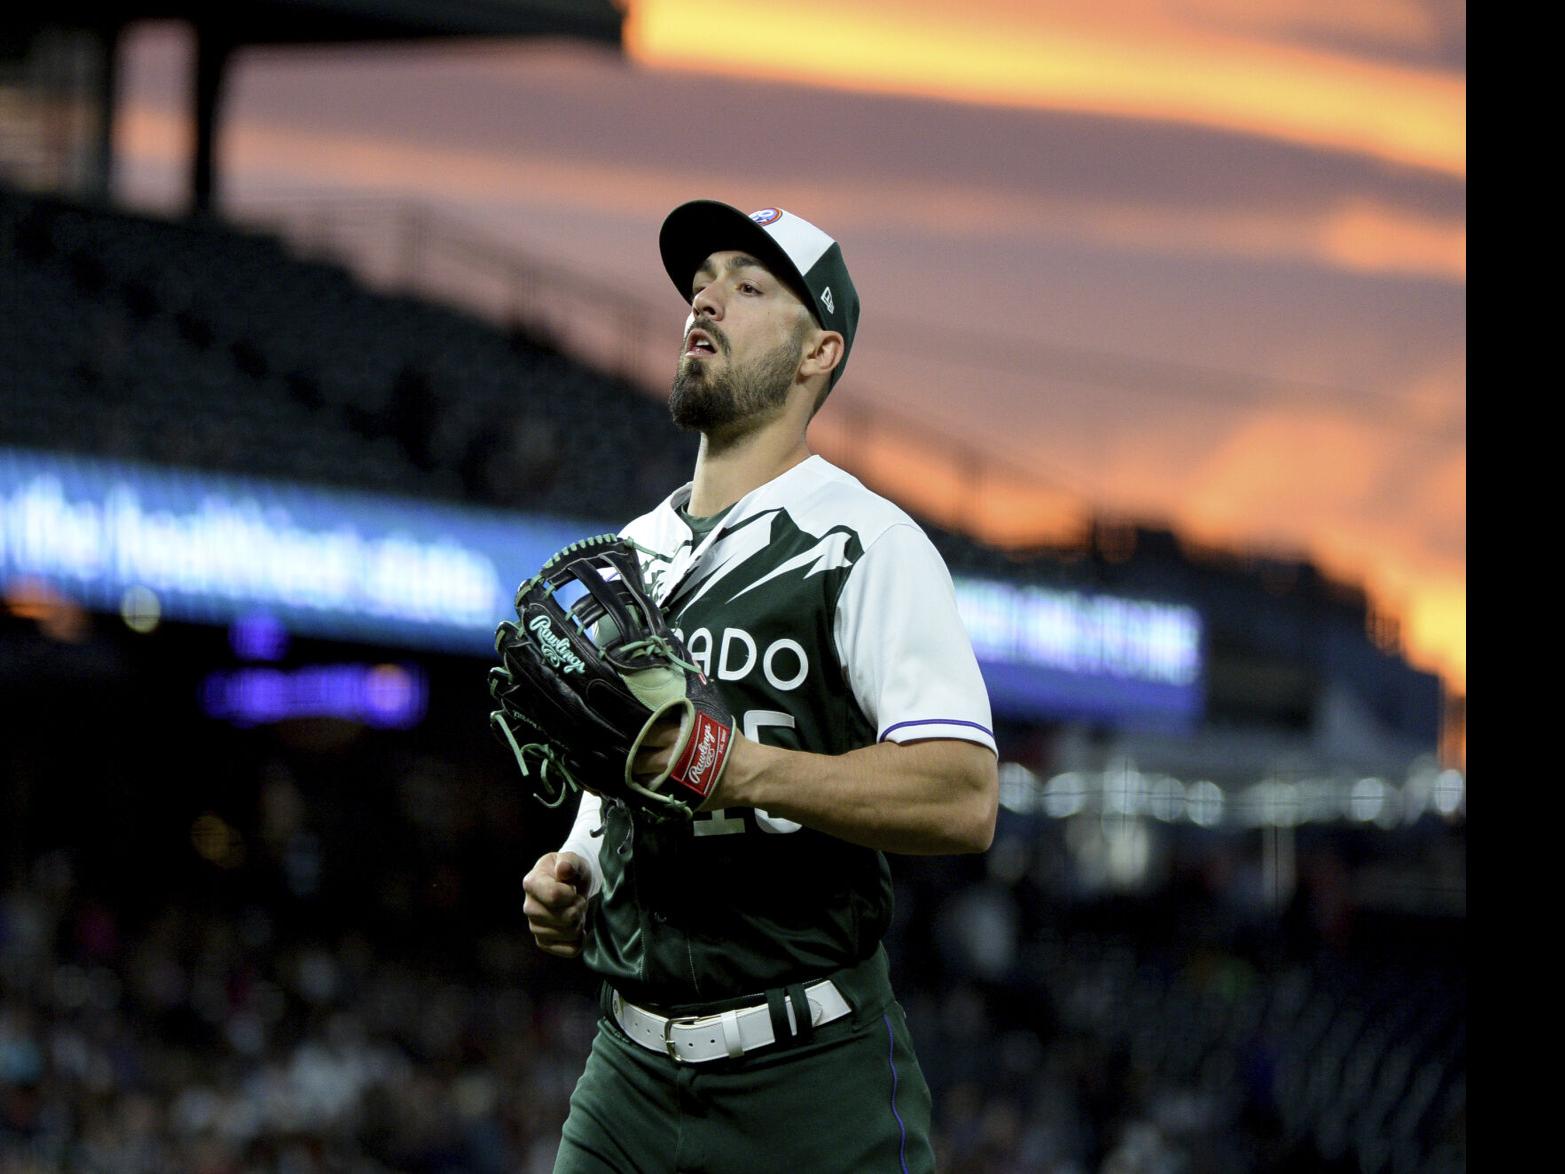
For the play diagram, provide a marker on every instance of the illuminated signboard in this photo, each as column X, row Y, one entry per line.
column 322, row 562
column 1069, row 654
column 388, row 696
column 219, row 549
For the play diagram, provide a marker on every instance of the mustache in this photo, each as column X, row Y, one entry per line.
column 715, row 333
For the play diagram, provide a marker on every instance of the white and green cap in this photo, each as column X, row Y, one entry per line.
column 788, row 245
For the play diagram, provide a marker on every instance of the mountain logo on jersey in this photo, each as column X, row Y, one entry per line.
column 556, row 649
column 828, row 554
column 766, row 550
column 732, row 550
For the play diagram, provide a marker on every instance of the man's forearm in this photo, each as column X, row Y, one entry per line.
column 921, row 798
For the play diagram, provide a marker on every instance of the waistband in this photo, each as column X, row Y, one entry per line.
column 695, row 1039
column 733, row 1027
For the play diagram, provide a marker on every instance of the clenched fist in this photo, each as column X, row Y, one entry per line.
column 556, row 903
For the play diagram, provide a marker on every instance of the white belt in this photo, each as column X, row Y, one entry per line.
column 693, row 1039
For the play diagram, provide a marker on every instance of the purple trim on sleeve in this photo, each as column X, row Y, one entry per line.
column 936, row 721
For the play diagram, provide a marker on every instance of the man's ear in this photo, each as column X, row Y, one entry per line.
column 825, row 352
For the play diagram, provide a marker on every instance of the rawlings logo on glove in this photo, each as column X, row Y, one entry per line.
column 556, row 649
column 707, row 750
column 579, row 695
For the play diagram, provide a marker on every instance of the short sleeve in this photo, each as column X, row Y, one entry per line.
column 904, row 649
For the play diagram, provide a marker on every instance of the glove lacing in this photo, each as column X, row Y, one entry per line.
column 559, row 788
column 658, row 646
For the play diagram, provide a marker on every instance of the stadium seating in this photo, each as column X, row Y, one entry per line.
column 197, row 344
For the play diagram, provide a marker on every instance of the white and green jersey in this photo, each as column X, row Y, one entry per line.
column 828, row 622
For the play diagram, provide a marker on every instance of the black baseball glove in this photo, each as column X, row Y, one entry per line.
column 587, row 669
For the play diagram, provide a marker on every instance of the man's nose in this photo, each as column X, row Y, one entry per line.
column 707, row 304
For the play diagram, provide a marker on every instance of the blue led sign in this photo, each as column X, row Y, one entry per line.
column 227, row 549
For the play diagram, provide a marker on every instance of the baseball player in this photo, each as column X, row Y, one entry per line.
column 749, row 1024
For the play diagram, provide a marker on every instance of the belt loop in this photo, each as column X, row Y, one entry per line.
column 779, row 1012
column 728, row 1022
column 804, row 1018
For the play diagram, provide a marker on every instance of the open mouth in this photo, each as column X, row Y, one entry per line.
column 699, row 342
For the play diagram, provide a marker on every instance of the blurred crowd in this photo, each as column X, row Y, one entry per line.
column 217, row 1040
column 210, row 1044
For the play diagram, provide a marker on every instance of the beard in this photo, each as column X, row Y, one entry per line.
column 705, row 401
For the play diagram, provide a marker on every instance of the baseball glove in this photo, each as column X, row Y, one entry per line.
column 587, row 669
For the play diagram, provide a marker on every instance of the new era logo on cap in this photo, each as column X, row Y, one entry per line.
column 787, row 244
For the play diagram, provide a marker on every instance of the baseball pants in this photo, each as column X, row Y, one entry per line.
column 851, row 1100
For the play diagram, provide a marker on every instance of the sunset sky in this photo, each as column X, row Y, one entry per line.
column 1200, row 263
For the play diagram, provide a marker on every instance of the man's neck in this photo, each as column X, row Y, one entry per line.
column 728, row 467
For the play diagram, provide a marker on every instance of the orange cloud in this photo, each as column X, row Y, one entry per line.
column 1312, row 482
column 1302, row 482
column 1004, row 55
column 1253, row 496
column 1359, row 235
column 1434, row 620
column 917, row 469
column 1392, row 24
column 1370, row 237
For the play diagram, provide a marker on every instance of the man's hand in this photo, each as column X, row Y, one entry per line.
column 556, row 903
column 656, row 750
column 656, row 754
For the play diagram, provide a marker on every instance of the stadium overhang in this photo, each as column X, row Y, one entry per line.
column 223, row 29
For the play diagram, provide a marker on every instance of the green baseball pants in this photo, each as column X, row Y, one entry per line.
column 851, row 1100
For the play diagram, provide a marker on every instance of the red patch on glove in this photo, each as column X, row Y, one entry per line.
column 701, row 763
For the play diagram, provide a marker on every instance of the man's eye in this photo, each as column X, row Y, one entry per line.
column 746, row 287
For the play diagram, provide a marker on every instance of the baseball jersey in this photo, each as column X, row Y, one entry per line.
column 828, row 622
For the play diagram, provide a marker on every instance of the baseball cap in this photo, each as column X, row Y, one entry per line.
column 788, row 245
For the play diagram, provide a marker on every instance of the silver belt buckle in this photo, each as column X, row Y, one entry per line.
column 668, row 1033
